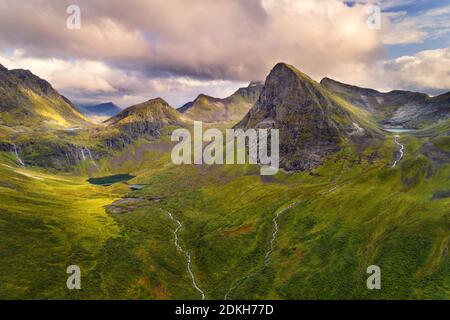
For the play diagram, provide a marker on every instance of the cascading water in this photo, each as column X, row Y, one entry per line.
column 83, row 156
column 401, row 152
column 19, row 160
column 185, row 252
column 275, row 229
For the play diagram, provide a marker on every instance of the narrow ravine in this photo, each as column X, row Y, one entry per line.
column 17, row 156
column 401, row 151
column 275, row 230
column 185, row 252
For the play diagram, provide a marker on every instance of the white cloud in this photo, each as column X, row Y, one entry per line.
column 89, row 81
column 177, row 50
column 233, row 39
column 427, row 70
column 399, row 28
column 404, row 32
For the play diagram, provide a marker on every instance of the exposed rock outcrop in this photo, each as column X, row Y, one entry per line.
column 397, row 108
column 312, row 124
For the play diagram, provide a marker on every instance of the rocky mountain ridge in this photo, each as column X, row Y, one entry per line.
column 233, row 108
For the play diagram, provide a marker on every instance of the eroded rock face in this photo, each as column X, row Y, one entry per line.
column 55, row 154
column 399, row 109
column 311, row 123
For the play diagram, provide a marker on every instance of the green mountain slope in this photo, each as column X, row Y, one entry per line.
column 150, row 119
column 331, row 228
column 29, row 101
column 350, row 210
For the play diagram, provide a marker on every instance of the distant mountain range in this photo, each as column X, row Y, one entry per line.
column 351, row 195
column 315, row 119
column 107, row 109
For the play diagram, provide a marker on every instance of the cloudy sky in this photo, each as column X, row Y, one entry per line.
column 130, row 51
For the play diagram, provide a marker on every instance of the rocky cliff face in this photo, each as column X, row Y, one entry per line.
column 233, row 108
column 312, row 124
column 397, row 108
column 27, row 100
column 55, row 154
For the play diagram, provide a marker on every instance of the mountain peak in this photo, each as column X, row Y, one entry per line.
column 284, row 70
column 203, row 98
column 34, row 101
column 154, row 110
column 151, row 103
column 312, row 124
column 233, row 108
column 325, row 81
column 158, row 100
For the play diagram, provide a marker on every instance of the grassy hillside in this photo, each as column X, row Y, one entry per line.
column 47, row 223
column 351, row 212
column 29, row 102
column 300, row 235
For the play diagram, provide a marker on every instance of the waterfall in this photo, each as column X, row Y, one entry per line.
column 90, row 154
column 86, row 151
column 17, row 155
column 90, row 157
column 82, row 154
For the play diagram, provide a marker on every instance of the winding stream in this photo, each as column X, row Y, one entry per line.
column 269, row 251
column 185, row 252
column 401, row 151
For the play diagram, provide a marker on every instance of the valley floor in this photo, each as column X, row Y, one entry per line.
column 291, row 236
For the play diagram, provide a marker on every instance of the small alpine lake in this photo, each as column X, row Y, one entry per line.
column 109, row 180
column 399, row 130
